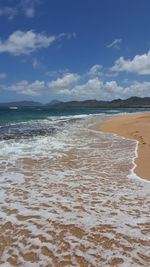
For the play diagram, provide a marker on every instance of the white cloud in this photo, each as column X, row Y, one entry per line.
column 27, row 42
column 88, row 86
column 64, row 82
column 3, row 75
column 139, row 64
column 72, row 86
column 76, row 87
column 96, row 89
column 115, row 44
column 91, row 89
column 26, row 88
column 87, row 90
column 141, row 89
column 96, row 70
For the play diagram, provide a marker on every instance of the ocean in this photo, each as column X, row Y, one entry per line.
column 68, row 193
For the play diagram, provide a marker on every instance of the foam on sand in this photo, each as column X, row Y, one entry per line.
column 65, row 200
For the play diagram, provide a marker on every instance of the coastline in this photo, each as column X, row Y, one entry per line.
column 135, row 127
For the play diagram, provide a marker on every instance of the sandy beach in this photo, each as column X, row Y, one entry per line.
column 134, row 126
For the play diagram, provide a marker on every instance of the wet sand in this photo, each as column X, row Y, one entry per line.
column 76, row 209
column 134, row 126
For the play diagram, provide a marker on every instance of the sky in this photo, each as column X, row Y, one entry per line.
column 74, row 49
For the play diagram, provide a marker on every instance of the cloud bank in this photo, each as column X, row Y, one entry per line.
column 140, row 64
column 72, row 86
column 91, row 85
column 25, row 88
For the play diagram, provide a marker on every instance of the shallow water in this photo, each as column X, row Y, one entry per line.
column 66, row 199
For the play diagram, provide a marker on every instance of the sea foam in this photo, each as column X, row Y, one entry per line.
column 67, row 198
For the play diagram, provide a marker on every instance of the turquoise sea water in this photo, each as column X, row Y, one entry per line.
column 68, row 193
column 18, row 115
column 21, row 122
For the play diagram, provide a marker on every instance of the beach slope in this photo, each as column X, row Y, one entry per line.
column 137, row 127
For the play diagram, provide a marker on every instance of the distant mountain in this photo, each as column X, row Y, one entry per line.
column 132, row 102
column 53, row 102
column 80, row 104
column 27, row 104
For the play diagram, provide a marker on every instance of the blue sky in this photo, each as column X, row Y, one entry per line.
column 74, row 49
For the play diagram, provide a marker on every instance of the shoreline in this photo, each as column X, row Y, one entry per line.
column 135, row 127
